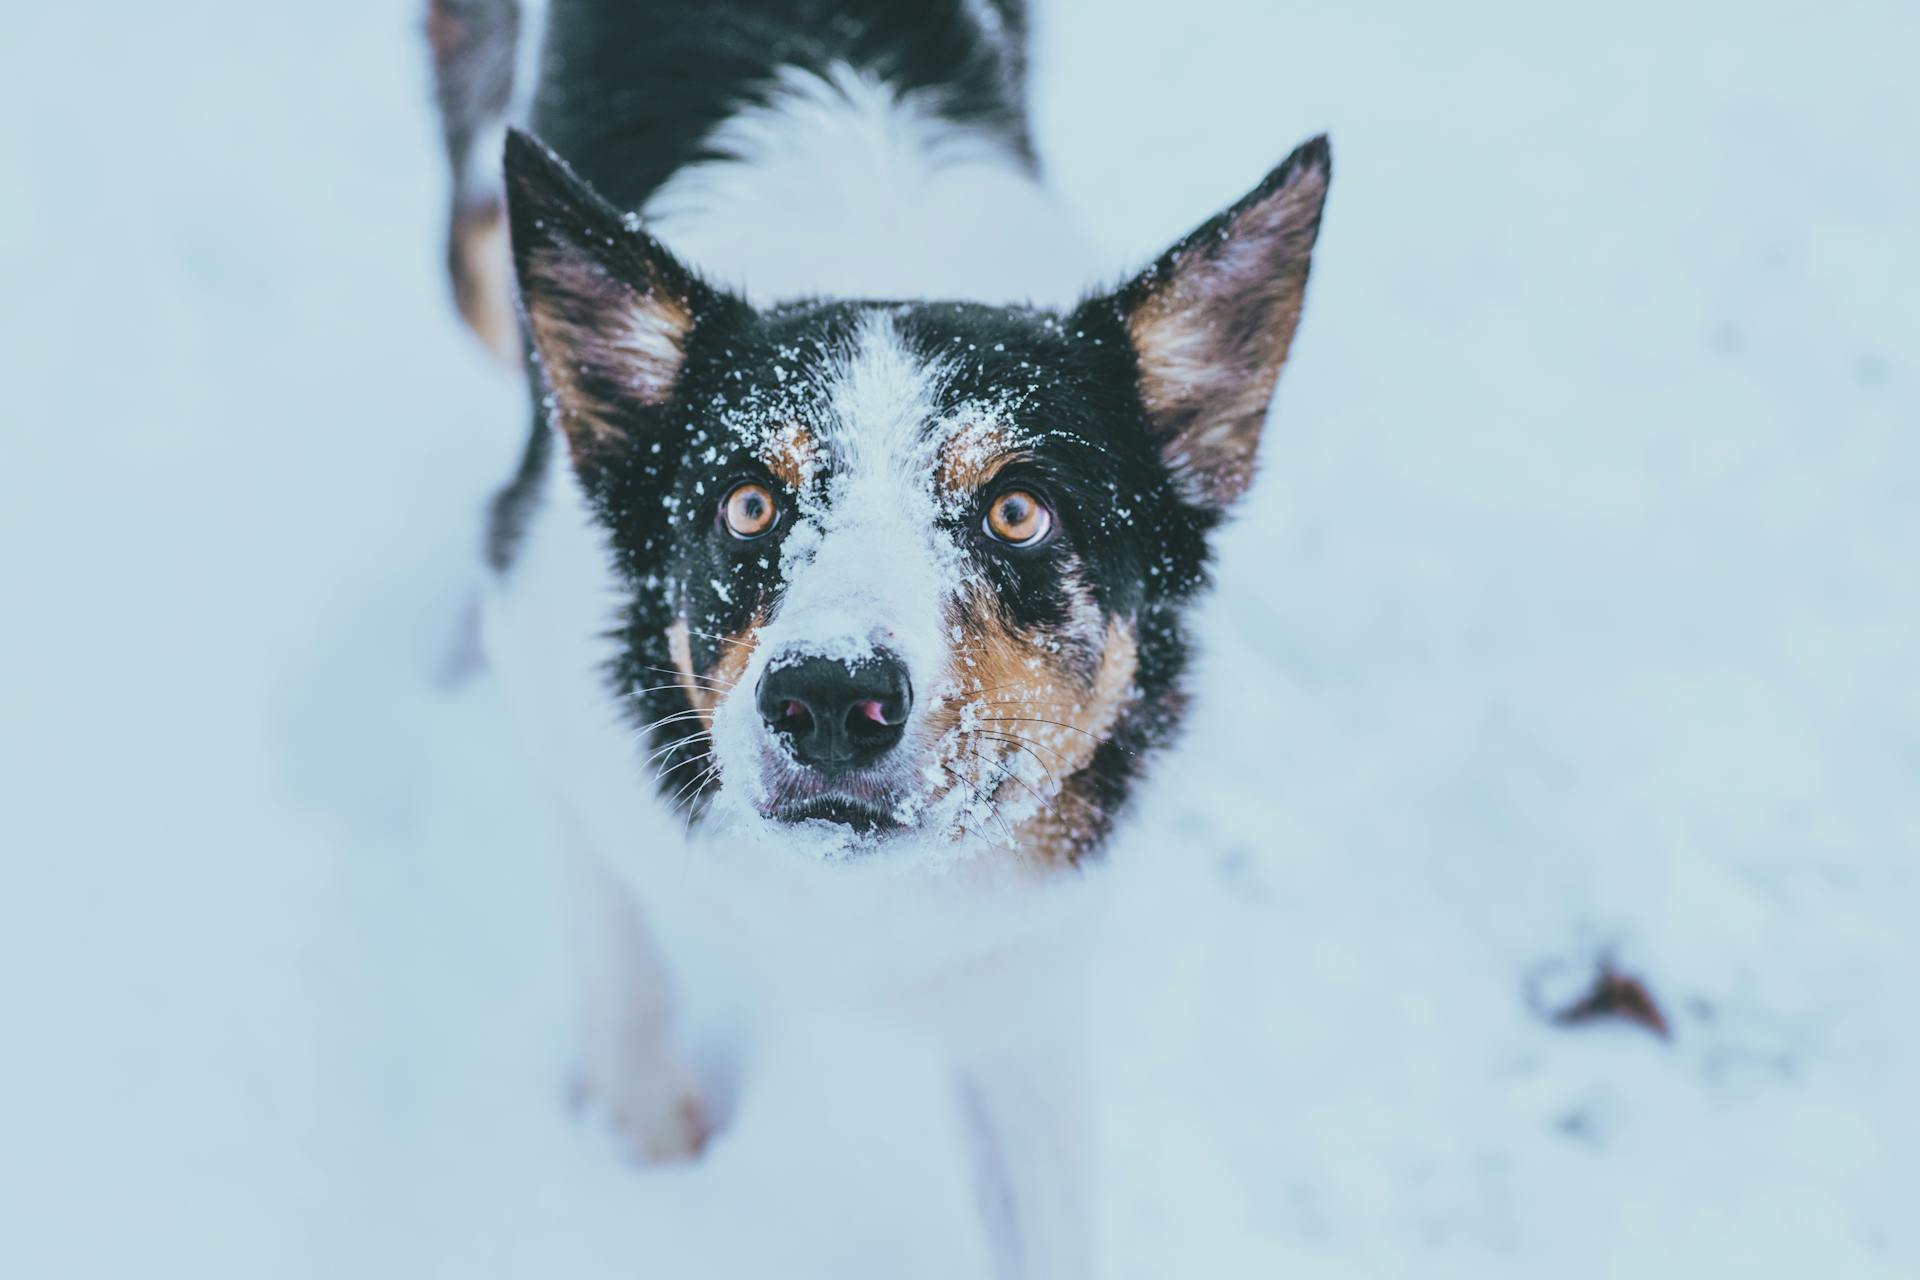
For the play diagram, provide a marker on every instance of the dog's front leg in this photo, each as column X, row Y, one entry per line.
column 1030, row 1129
column 630, row 1074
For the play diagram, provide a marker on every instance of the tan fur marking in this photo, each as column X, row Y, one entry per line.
column 705, row 689
column 1057, row 836
column 1029, row 701
column 482, row 275
column 972, row 456
column 790, row 453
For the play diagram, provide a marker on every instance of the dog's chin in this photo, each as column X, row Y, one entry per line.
column 863, row 821
column 836, row 816
column 833, row 816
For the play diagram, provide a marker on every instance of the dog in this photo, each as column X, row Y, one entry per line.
column 842, row 594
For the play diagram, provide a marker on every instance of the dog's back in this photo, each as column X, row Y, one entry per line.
column 632, row 93
column 790, row 147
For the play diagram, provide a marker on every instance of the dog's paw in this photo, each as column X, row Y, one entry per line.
column 652, row 1117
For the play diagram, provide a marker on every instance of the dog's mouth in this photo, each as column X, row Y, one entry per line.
column 860, row 817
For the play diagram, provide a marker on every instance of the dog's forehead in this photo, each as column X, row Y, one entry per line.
column 852, row 394
column 880, row 399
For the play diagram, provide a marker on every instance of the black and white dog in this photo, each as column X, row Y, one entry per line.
column 841, row 594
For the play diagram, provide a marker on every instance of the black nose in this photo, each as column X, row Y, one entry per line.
column 838, row 716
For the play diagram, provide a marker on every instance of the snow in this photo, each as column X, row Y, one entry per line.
column 1574, row 614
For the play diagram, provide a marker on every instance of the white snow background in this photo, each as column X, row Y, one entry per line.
column 1576, row 613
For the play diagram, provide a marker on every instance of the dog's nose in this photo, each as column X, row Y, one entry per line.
column 836, row 715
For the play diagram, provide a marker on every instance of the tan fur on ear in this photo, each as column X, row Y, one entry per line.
column 1211, row 322
column 602, row 342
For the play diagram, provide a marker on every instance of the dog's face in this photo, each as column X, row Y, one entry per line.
column 906, row 575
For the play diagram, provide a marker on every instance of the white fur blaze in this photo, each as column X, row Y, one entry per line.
column 864, row 567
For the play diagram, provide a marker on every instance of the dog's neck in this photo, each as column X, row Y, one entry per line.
column 842, row 185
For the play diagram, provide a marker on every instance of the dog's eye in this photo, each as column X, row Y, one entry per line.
column 1018, row 519
column 749, row 510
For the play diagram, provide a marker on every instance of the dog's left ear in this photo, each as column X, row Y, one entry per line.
column 1211, row 321
column 609, row 309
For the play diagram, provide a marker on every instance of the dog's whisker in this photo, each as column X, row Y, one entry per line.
column 1015, row 735
column 1093, row 737
column 685, row 675
column 1014, row 777
column 694, row 810
column 656, row 688
column 700, row 779
column 1020, row 744
column 714, row 635
column 675, row 718
column 970, row 694
column 1033, row 704
column 978, row 795
column 681, row 744
column 664, row 774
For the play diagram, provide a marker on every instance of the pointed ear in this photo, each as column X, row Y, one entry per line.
column 608, row 308
column 1211, row 321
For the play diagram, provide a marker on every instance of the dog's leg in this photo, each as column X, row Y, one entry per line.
column 476, row 44
column 1015, row 1024
column 630, row 1074
column 1030, row 1134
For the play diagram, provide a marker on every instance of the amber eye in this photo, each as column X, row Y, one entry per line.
column 1019, row 519
column 749, row 510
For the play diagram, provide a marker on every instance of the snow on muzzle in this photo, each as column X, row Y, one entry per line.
column 840, row 680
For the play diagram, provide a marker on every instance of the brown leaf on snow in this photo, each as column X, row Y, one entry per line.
column 1616, row 995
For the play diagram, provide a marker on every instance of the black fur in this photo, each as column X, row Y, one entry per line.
column 632, row 90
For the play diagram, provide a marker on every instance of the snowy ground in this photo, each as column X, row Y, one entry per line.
column 1576, row 613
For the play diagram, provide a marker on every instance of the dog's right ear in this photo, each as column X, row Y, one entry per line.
column 1211, row 321
column 609, row 309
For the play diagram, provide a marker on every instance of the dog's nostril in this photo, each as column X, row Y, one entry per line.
column 835, row 715
column 876, row 720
